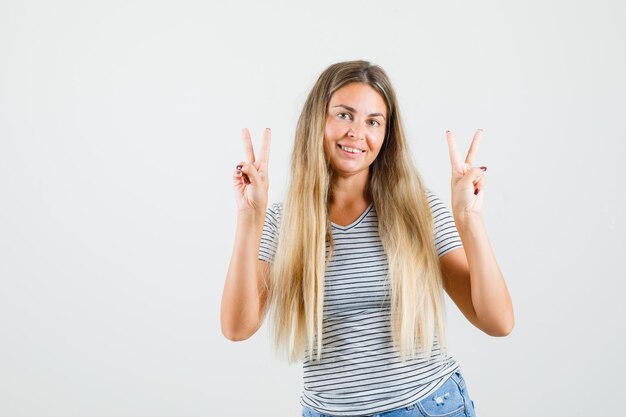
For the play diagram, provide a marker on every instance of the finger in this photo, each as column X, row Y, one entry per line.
column 247, row 145
column 241, row 179
column 474, row 147
column 455, row 158
column 479, row 185
column 265, row 147
column 475, row 175
column 251, row 173
column 239, row 175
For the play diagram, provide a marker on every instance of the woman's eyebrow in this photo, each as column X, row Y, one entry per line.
column 354, row 110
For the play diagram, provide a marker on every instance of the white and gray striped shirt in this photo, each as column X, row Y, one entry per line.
column 360, row 372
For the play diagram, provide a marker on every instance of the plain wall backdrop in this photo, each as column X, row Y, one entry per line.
column 120, row 128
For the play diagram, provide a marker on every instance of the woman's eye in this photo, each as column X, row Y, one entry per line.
column 342, row 114
column 375, row 121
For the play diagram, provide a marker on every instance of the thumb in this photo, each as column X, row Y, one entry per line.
column 252, row 173
column 474, row 175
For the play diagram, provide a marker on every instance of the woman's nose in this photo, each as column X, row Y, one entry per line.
column 355, row 133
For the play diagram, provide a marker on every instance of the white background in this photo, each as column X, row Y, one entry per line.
column 119, row 132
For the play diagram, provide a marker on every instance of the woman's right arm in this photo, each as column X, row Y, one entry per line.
column 244, row 296
column 243, row 299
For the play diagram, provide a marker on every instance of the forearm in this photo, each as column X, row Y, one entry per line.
column 490, row 296
column 240, row 299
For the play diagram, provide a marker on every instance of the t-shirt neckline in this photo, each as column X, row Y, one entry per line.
column 357, row 221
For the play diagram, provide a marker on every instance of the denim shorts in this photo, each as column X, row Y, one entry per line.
column 449, row 400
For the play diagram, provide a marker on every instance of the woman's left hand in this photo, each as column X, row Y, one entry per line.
column 468, row 181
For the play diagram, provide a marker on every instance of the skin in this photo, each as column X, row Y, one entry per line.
column 356, row 118
column 243, row 298
column 471, row 274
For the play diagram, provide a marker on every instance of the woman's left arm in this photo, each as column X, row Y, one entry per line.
column 472, row 277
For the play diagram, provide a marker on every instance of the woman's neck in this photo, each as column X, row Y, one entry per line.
column 350, row 191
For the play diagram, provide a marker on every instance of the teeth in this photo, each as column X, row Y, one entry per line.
column 351, row 150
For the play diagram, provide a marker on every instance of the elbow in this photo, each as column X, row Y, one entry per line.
column 501, row 329
column 501, row 332
column 498, row 328
column 236, row 328
column 234, row 336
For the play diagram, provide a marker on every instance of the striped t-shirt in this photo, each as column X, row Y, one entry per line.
column 360, row 373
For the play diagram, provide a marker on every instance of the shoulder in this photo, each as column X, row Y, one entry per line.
column 273, row 214
column 275, row 209
column 442, row 216
column 434, row 201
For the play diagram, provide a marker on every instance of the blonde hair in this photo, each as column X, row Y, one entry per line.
column 405, row 225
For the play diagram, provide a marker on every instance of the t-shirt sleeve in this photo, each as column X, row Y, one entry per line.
column 446, row 235
column 269, row 238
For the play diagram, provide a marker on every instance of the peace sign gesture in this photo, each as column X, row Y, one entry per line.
column 250, row 177
column 467, row 181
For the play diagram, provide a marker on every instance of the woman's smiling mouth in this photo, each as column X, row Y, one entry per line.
column 349, row 150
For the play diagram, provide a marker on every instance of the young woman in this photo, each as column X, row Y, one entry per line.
column 353, row 265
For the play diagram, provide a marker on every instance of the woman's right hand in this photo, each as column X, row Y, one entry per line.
column 251, row 180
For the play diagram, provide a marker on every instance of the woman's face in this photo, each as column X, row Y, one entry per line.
column 355, row 128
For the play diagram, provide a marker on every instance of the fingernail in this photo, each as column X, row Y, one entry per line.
column 476, row 191
column 268, row 129
column 447, row 131
column 483, row 168
column 238, row 172
column 239, row 167
column 480, row 130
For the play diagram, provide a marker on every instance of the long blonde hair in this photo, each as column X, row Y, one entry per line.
column 405, row 225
